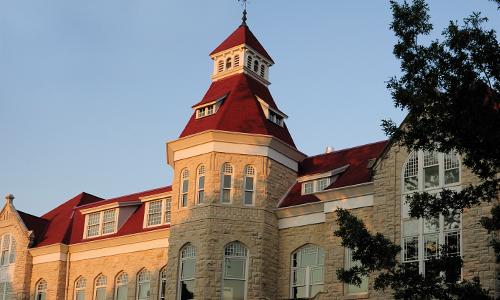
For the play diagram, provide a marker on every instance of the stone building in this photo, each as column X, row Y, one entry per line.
column 247, row 216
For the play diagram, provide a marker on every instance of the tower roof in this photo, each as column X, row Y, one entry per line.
column 240, row 111
column 242, row 35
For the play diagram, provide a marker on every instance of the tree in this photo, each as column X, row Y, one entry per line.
column 451, row 90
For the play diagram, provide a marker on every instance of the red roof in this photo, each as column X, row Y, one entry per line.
column 242, row 35
column 65, row 224
column 358, row 172
column 240, row 110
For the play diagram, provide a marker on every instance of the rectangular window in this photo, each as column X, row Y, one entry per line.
column 275, row 118
column 109, row 222
column 168, row 209
column 184, row 196
column 322, row 184
column 226, row 188
column 154, row 212
column 201, row 189
column 93, row 224
column 350, row 263
column 308, row 188
column 205, row 111
column 431, row 170
column 451, row 169
column 249, row 190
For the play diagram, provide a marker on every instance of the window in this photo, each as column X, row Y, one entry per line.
column 275, row 118
column 100, row 287
column 41, row 290
column 163, row 284
column 422, row 238
column 187, row 272
column 5, row 291
column 206, row 111
column 262, row 70
column 121, row 286
column 184, row 188
column 80, row 286
column 351, row 289
column 235, row 271
column 256, row 66
column 8, row 250
column 236, row 60
column 315, row 186
column 249, row 185
column 158, row 212
column 200, row 184
column 101, row 223
column 143, row 285
column 249, row 61
column 220, row 67
column 307, row 271
column 227, row 183
column 228, row 63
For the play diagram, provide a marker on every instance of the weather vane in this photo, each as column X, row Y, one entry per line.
column 244, row 19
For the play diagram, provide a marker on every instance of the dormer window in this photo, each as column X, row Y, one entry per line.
column 276, row 118
column 101, row 223
column 228, row 63
column 158, row 212
column 315, row 186
column 272, row 114
column 209, row 109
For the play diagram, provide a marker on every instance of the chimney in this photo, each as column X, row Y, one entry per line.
column 9, row 199
column 329, row 149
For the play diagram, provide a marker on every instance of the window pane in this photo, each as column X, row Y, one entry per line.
column 144, row 291
column 411, row 248
column 249, row 183
column 201, row 182
column 308, row 188
column 299, row 277
column 299, row 292
column 248, row 198
column 80, row 295
column 235, row 268
column 100, row 294
column 201, row 196
column 121, row 293
column 452, row 240
column 184, row 200
column 451, row 176
column 431, row 225
column 227, row 181
column 308, row 259
column 187, row 269
column 226, row 196
column 317, row 275
column 154, row 213
column 185, row 186
column 452, row 222
column 411, row 183
column 187, row 289
column 431, row 176
column 410, row 227
column 234, row 289
column 430, row 245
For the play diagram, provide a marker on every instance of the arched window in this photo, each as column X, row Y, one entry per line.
column 121, row 286
column 235, row 271
column 184, row 188
column 236, row 60
column 430, row 172
column 249, row 185
column 143, row 285
column 200, row 184
column 187, row 271
column 262, row 70
column 163, row 284
column 249, row 61
column 307, row 271
column 41, row 290
column 220, row 66
column 80, row 285
column 100, row 287
column 8, row 250
column 256, row 66
column 228, row 63
column 227, row 183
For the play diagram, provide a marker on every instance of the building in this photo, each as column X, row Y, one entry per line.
column 248, row 216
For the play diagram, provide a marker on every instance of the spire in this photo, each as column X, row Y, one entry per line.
column 244, row 18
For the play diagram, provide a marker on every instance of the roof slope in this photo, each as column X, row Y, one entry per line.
column 358, row 172
column 240, row 111
column 35, row 224
column 242, row 35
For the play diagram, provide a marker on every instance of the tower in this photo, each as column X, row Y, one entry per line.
column 232, row 163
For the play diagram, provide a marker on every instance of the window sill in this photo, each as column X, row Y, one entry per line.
column 357, row 296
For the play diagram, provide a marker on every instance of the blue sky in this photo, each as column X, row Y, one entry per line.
column 91, row 90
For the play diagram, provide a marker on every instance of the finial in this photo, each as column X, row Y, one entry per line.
column 9, row 198
column 244, row 18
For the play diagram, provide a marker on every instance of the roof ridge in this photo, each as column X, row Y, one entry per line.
column 137, row 193
column 347, row 149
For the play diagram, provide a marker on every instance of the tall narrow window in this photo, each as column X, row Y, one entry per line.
column 411, row 173
column 100, row 287
column 168, row 209
column 6, row 250
column 262, row 70
column 235, row 271
column 13, row 250
column 41, row 290
column 109, row 221
column 431, row 170
column 187, row 272
column 154, row 212
column 200, row 184
column 184, row 188
column 349, row 263
column 220, row 67
column 249, row 185
column 143, row 285
column 256, row 66
column 80, row 286
column 93, row 224
column 236, row 60
column 228, row 63
column 451, row 168
column 227, row 183
column 121, row 286
column 307, row 271
column 249, row 61
column 163, row 284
